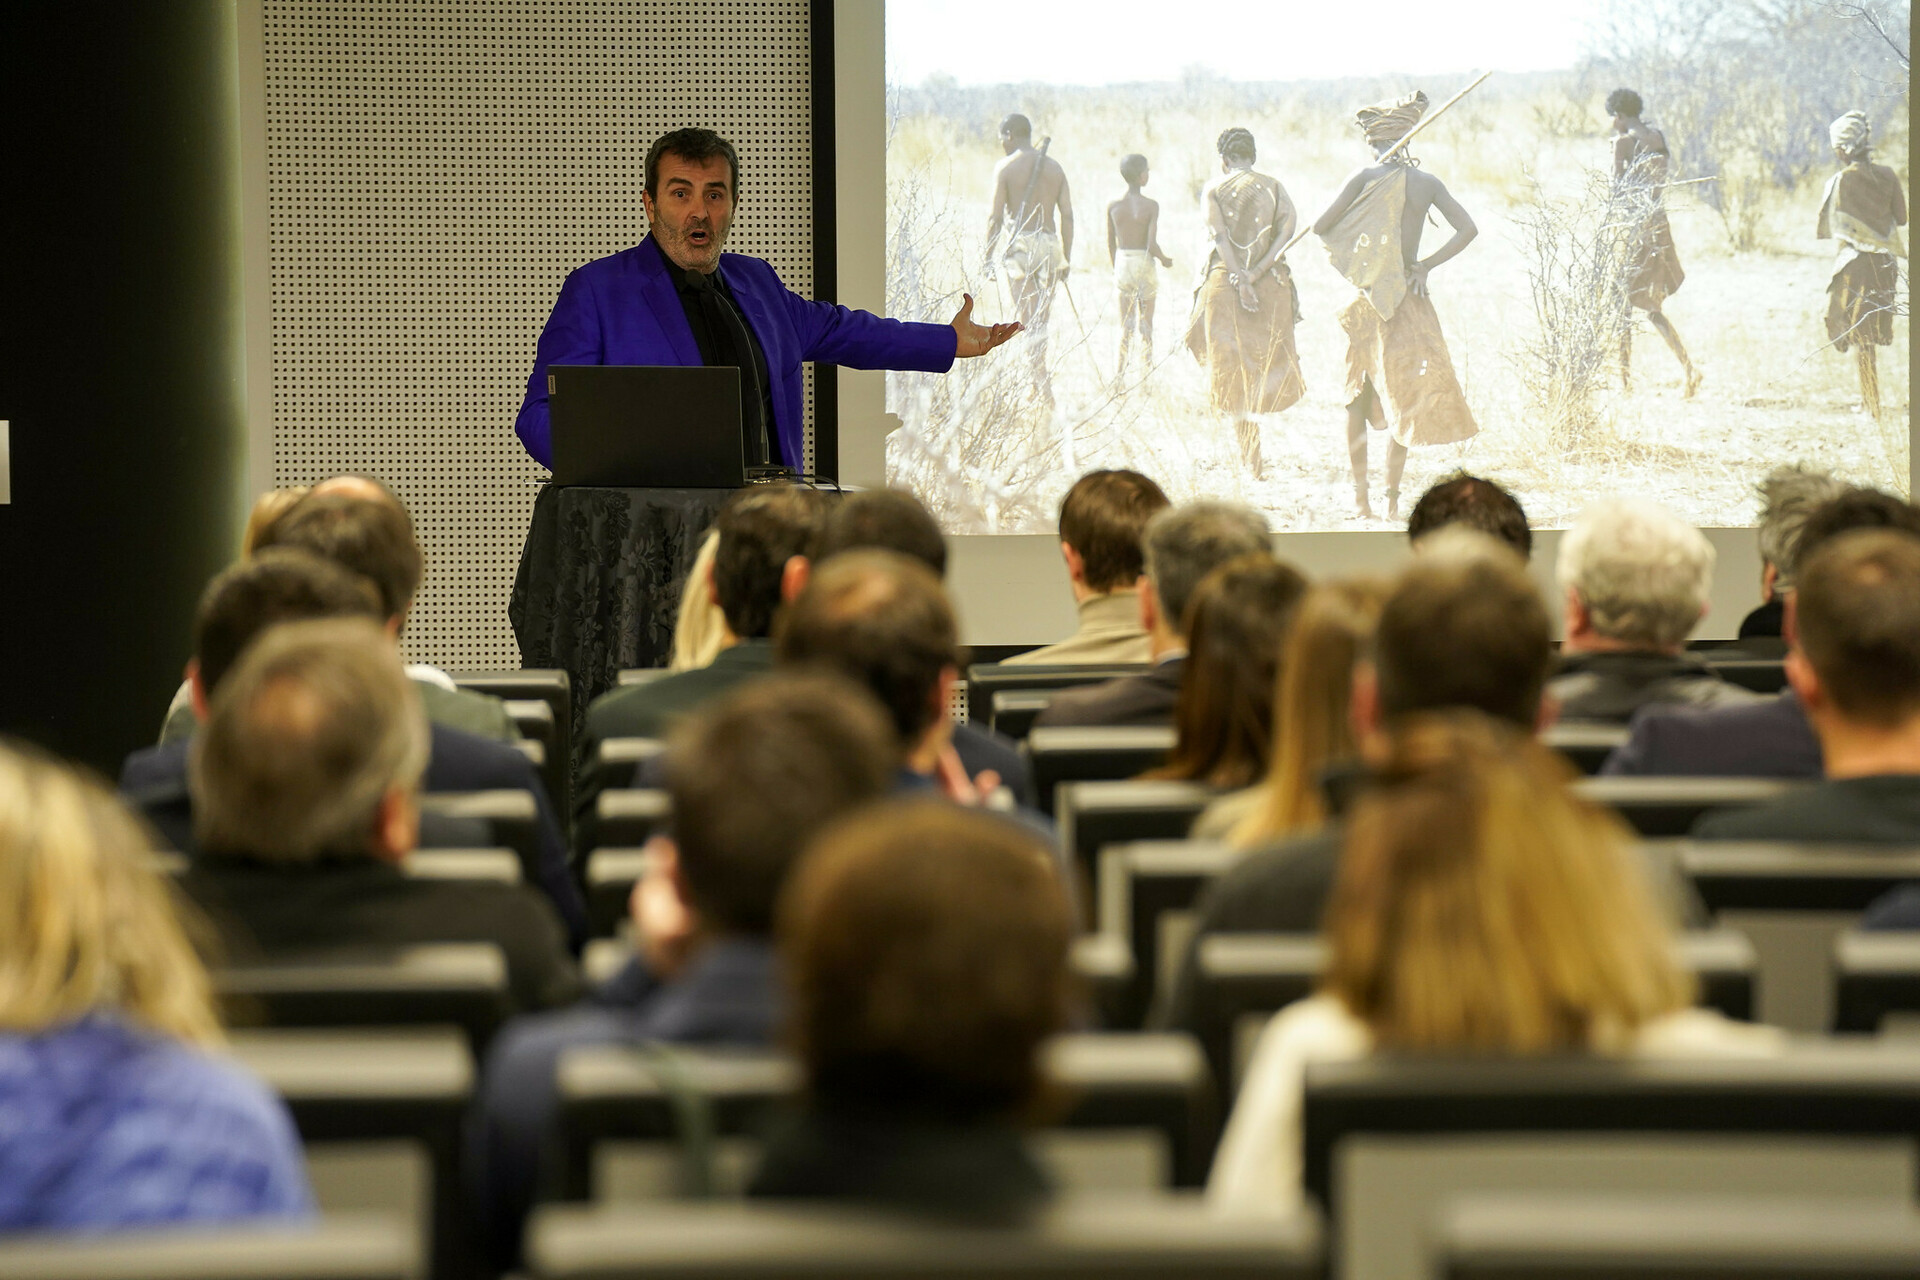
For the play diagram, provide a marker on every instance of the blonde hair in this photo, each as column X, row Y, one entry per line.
column 86, row 922
column 1310, row 724
column 1482, row 907
column 268, row 508
column 700, row 625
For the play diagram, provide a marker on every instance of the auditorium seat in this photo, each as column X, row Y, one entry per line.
column 511, row 821
column 1762, row 675
column 347, row 1089
column 1518, row 1236
column 1875, row 974
column 459, row 984
column 1587, row 744
column 1097, row 753
column 1093, row 815
column 498, row 866
column 984, row 679
column 610, row 876
column 1670, row 806
column 615, row 763
column 1145, row 890
column 1090, row 1238
column 1014, row 710
column 632, row 676
column 550, row 685
column 621, row 820
column 373, row 1246
column 534, row 718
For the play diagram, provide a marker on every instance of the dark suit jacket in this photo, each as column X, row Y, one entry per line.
column 650, row 710
column 154, row 779
column 1770, row 738
column 274, row 911
column 1884, row 809
column 1610, row 687
column 1146, row 698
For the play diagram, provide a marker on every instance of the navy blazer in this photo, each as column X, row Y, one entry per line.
column 624, row 309
column 1769, row 738
column 155, row 780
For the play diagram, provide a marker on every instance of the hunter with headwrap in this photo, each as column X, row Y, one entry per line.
column 1863, row 211
column 1399, row 374
column 1640, row 172
column 1245, row 306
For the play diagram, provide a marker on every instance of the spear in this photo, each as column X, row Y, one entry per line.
column 1400, row 146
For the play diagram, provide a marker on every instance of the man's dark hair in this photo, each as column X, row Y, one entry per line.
column 1858, row 614
column 1624, row 102
column 1133, row 167
column 1855, row 509
column 1464, row 627
column 761, row 528
column 372, row 538
column 279, row 584
column 1103, row 518
column 1236, row 146
column 1477, row 504
column 884, row 520
column 695, row 146
column 754, row 776
column 883, row 620
column 1017, row 126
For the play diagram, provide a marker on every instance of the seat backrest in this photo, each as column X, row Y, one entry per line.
column 498, row 866
column 984, row 679
column 534, row 718
column 1166, row 1237
column 1875, row 974
column 1098, row 753
column 1740, row 875
column 1138, row 884
column 631, row 676
column 611, row 874
column 337, row 1247
column 1014, row 710
column 1670, row 806
column 1587, row 744
column 616, row 762
column 1762, row 675
column 1593, row 1237
column 1092, row 815
column 626, row 819
column 1138, row 1080
column 512, row 821
column 550, row 685
column 460, row 985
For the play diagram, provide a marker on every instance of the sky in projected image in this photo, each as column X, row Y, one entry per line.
column 1572, row 385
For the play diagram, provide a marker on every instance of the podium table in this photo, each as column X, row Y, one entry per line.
column 599, row 581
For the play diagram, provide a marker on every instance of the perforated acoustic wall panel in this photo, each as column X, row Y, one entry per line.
column 434, row 170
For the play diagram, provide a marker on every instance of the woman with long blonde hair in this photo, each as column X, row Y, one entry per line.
column 1482, row 908
column 117, row 1110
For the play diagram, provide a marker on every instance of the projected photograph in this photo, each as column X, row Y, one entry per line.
column 1314, row 259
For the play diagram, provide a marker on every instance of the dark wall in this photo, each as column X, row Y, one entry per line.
column 119, row 357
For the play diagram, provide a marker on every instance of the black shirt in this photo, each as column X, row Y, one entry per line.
column 718, row 347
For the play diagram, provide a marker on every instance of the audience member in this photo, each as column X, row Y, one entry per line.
column 1182, row 546
column 1461, row 499
column 700, row 625
column 1312, row 718
column 925, row 952
column 1855, row 667
column 753, row 775
column 1770, row 738
column 761, row 528
column 1223, row 722
column 1787, row 497
column 114, row 1109
column 1637, row 579
column 1101, row 521
column 1481, row 909
column 283, row 584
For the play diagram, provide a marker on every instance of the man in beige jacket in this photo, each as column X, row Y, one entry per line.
column 1101, row 521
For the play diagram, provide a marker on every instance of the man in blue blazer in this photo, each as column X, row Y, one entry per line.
column 675, row 299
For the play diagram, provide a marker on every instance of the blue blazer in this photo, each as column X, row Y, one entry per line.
column 623, row 309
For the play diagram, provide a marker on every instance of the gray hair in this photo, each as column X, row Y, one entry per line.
column 1185, row 544
column 1641, row 571
column 305, row 737
column 1788, row 496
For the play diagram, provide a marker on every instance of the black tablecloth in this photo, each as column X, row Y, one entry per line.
column 599, row 581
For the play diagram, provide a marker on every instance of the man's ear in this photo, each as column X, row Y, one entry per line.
column 1790, row 619
column 396, row 825
column 713, row 592
column 1076, row 566
column 196, row 690
column 1363, row 703
column 794, row 577
column 1548, row 715
column 646, row 202
column 1149, row 603
column 395, row 625
column 1805, row 682
column 1575, row 618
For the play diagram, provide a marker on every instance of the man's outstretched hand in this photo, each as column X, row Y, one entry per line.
column 977, row 339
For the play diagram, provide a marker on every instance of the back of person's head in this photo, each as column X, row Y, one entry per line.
column 1642, row 574
column 756, row 775
column 266, row 512
column 1853, row 509
column 761, row 528
column 86, row 925
column 279, row 584
column 1787, row 497
column 884, row 520
column 1237, row 626
column 1463, row 627
column 305, row 742
column 1103, row 518
column 1858, row 608
column 373, row 538
column 1476, row 503
column 1312, row 722
column 1185, row 544
column 926, row 962
column 1481, row 906
column 882, row 620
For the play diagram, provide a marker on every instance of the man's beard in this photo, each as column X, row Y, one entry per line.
column 680, row 240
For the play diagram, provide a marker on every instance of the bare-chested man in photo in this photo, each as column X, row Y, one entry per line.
column 1032, row 204
column 1399, row 374
column 1133, row 246
column 1640, row 171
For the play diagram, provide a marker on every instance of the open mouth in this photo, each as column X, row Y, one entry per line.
column 698, row 235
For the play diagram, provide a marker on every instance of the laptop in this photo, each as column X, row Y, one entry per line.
column 646, row 426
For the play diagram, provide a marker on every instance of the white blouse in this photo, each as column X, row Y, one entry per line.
column 1257, row 1169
